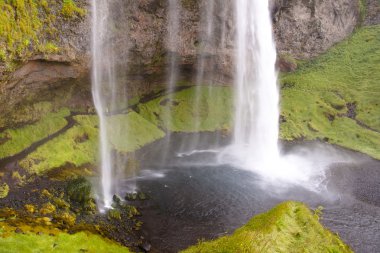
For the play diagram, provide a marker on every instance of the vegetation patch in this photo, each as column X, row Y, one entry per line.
column 70, row 9
column 78, row 146
column 131, row 131
column 336, row 97
column 195, row 109
column 22, row 22
column 289, row 227
column 16, row 140
column 79, row 242
column 68, row 148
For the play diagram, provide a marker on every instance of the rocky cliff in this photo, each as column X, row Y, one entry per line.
column 54, row 62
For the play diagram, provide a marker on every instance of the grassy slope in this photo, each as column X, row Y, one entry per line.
column 79, row 144
column 16, row 140
column 315, row 98
column 140, row 132
column 80, row 242
column 289, row 227
column 213, row 111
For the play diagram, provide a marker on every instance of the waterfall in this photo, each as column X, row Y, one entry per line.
column 256, row 125
column 173, row 43
column 257, row 114
column 108, row 88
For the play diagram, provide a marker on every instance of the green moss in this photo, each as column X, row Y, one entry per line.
column 289, row 227
column 80, row 242
column 19, row 26
column 4, row 190
column 70, row 9
column 77, row 146
column 182, row 113
column 139, row 132
column 316, row 98
column 48, row 48
column 16, row 140
column 24, row 24
column 114, row 214
column 80, row 190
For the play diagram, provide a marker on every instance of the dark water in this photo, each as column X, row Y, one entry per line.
column 191, row 199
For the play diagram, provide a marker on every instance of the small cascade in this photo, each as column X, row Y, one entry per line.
column 109, row 91
column 173, row 24
column 172, row 72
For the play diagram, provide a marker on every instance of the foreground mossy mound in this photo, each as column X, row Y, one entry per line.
column 80, row 242
column 289, row 227
column 336, row 97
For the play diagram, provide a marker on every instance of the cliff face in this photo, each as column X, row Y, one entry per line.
column 307, row 28
column 303, row 29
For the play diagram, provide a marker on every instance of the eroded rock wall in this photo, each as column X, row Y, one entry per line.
column 303, row 29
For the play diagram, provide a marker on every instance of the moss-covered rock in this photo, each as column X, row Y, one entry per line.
column 30, row 208
column 4, row 190
column 65, row 218
column 47, row 208
column 80, row 190
column 289, row 227
column 114, row 214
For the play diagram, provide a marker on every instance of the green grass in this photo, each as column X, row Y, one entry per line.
column 130, row 132
column 213, row 110
column 78, row 146
column 65, row 243
column 16, row 140
column 289, row 227
column 314, row 98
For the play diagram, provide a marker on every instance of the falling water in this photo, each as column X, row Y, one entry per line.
column 256, row 126
column 257, row 113
column 173, row 42
column 108, row 91
column 172, row 46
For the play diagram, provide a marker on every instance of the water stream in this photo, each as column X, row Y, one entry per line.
column 109, row 89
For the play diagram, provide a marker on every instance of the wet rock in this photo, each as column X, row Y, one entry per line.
column 18, row 231
column 142, row 196
column 146, row 246
column 131, row 196
column 116, row 199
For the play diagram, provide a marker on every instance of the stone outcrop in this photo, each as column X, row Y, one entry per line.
column 307, row 28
